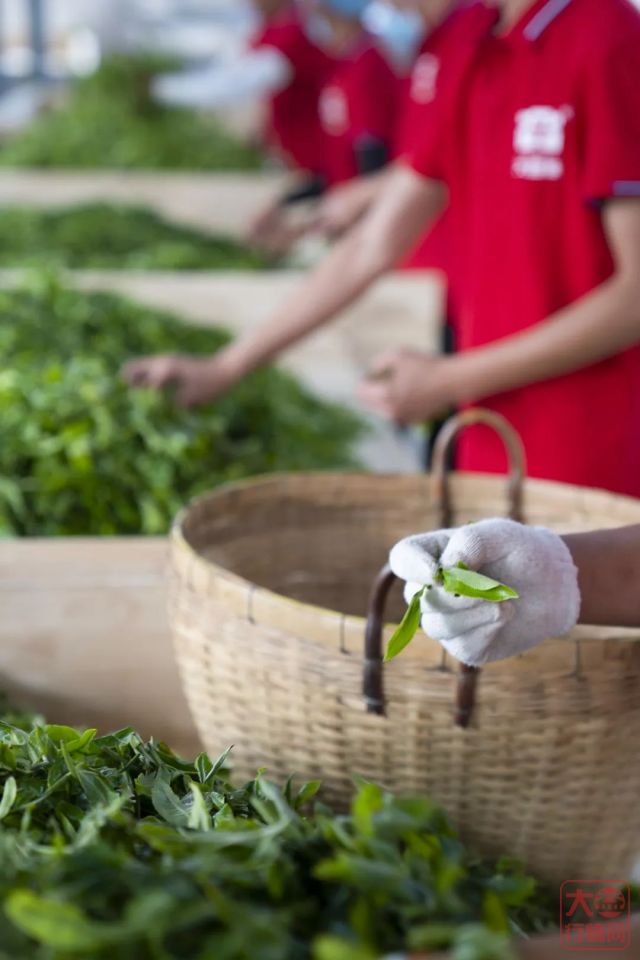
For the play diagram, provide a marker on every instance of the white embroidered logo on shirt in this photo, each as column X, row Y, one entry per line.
column 539, row 141
column 424, row 79
column 334, row 111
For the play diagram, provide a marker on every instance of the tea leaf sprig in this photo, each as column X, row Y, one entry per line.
column 459, row 581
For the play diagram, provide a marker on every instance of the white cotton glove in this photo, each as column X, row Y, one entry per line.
column 532, row 560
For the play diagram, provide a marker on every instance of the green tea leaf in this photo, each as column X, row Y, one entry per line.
column 96, row 788
column 306, row 793
column 204, row 767
column 220, row 763
column 432, row 936
column 199, row 816
column 93, row 457
column 62, row 926
column 337, row 948
column 80, row 744
column 9, row 795
column 477, row 943
column 61, row 734
column 168, row 804
column 494, row 913
column 407, row 629
column 468, row 583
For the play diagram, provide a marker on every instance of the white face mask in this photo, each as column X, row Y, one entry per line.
column 319, row 29
column 400, row 31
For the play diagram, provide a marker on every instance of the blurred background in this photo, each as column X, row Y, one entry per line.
column 42, row 40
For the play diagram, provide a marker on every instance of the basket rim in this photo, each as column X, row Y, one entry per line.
column 334, row 622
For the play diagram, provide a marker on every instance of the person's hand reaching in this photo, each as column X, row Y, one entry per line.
column 535, row 562
column 196, row 381
column 407, row 386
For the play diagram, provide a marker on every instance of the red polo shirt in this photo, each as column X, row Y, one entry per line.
column 418, row 94
column 535, row 129
column 292, row 126
column 360, row 99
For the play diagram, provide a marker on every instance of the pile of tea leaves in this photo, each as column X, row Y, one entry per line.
column 82, row 454
column 109, row 119
column 114, row 848
column 104, row 236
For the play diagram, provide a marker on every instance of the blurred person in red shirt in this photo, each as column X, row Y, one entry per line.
column 359, row 99
column 285, row 68
column 353, row 110
column 532, row 138
column 346, row 203
column 292, row 128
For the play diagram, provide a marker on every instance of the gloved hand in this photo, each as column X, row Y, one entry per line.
column 533, row 560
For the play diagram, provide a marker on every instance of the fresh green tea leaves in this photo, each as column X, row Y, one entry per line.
column 87, row 455
column 104, row 236
column 141, row 854
column 109, row 119
column 407, row 629
column 459, row 581
column 467, row 583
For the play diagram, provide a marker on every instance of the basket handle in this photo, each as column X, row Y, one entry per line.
column 373, row 681
column 515, row 455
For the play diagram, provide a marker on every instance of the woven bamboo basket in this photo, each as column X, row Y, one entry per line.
column 537, row 756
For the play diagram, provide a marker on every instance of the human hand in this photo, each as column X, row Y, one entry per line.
column 272, row 231
column 535, row 562
column 343, row 205
column 407, row 386
column 196, row 380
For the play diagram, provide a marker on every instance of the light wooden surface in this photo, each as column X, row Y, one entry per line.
column 84, row 635
column 214, row 201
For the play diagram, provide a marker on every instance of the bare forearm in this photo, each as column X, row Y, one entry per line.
column 608, row 563
column 388, row 231
column 341, row 277
column 369, row 186
column 592, row 329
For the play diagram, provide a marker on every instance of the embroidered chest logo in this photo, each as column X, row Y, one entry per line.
column 334, row 111
column 539, row 142
column 424, row 79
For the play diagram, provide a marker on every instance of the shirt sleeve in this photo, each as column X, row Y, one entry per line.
column 422, row 139
column 611, row 124
column 426, row 114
